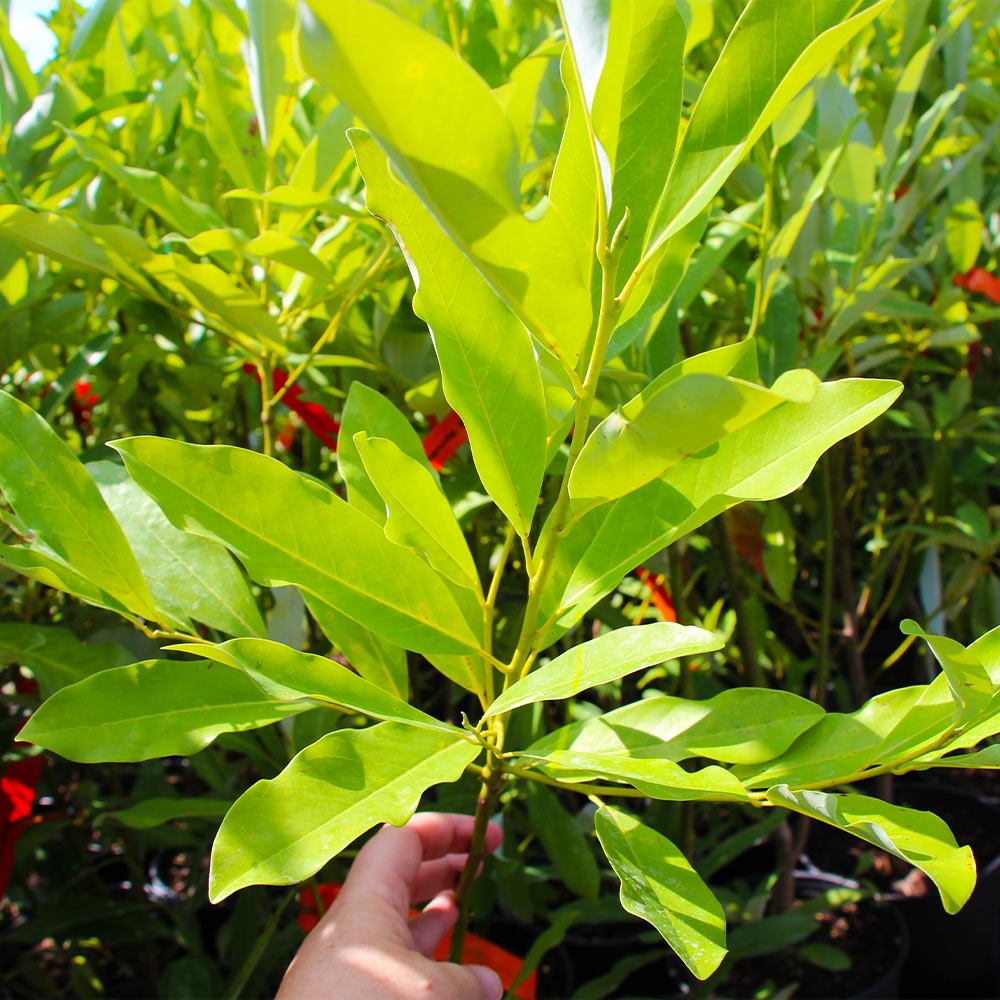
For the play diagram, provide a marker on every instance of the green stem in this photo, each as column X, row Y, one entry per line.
column 334, row 325
column 266, row 372
column 555, row 524
column 488, row 792
column 744, row 634
column 826, row 597
column 760, row 296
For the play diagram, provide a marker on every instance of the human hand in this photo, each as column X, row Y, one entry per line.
column 367, row 947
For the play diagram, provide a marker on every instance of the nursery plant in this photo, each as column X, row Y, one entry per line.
column 531, row 286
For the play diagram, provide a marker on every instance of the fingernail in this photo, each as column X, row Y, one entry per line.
column 490, row 980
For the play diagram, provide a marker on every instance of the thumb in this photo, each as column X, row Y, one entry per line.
column 471, row 982
column 489, row 980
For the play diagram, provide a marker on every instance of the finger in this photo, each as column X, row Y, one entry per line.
column 433, row 922
column 450, row 833
column 470, row 982
column 436, row 876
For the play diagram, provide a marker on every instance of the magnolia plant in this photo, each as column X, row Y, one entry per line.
column 529, row 290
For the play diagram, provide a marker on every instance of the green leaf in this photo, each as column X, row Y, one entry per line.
column 341, row 786
column 888, row 727
column 666, row 423
column 220, row 100
column 286, row 674
column 653, row 776
column 369, row 411
column 766, row 459
column 419, row 514
column 826, row 956
column 919, row 838
column 18, row 85
column 50, row 234
column 62, row 508
column 779, row 550
column 964, row 233
column 490, row 375
column 157, row 708
column 55, row 656
column 606, row 658
column 988, row 759
column 270, row 24
column 970, row 682
column 636, row 108
column 378, row 661
column 563, row 841
column 157, row 811
column 150, row 188
column 189, row 577
column 660, row 886
column 268, row 246
column 739, row 726
column 465, row 170
column 289, row 529
column 768, row 58
column 212, row 290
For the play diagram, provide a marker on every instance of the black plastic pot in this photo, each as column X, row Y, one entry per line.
column 959, row 955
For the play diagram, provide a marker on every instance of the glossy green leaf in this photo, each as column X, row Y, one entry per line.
column 55, row 656
column 888, row 727
column 281, row 831
column 419, row 514
column 465, row 170
column 666, row 423
column 660, row 886
column 917, row 837
column 970, row 682
column 563, row 841
column 287, row 674
column 289, row 529
column 188, row 576
column 61, row 506
column 606, row 658
column 636, row 108
column 656, row 777
column 156, row 811
column 488, row 366
column 157, row 708
column 764, row 460
column 745, row 92
column 739, row 726
column 378, row 661
column 369, row 411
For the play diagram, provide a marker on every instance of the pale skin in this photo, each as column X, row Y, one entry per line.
column 367, row 947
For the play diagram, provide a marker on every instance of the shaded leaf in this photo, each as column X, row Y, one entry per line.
column 659, row 885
